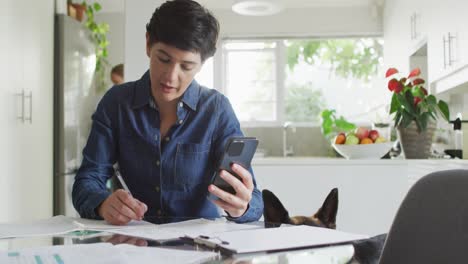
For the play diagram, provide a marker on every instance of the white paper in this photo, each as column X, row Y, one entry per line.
column 190, row 228
column 102, row 253
column 268, row 239
column 60, row 225
column 101, row 225
column 152, row 255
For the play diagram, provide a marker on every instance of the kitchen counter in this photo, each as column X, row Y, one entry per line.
column 370, row 191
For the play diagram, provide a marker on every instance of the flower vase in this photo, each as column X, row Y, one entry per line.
column 415, row 144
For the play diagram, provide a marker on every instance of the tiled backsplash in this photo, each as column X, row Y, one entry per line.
column 306, row 141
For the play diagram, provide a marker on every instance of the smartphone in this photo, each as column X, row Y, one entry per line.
column 239, row 150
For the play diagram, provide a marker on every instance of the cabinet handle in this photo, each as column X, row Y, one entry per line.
column 21, row 95
column 30, row 97
column 451, row 60
column 445, row 55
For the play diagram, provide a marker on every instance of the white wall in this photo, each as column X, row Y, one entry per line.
column 136, row 17
column 294, row 22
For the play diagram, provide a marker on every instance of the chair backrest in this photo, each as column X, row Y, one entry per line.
column 431, row 225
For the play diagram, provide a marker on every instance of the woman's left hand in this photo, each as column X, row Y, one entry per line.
column 234, row 205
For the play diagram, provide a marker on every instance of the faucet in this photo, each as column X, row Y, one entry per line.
column 287, row 151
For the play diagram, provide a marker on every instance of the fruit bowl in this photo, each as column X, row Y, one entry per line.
column 363, row 151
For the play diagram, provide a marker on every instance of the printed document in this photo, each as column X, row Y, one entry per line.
column 60, row 225
column 102, row 253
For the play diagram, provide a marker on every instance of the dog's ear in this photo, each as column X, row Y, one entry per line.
column 327, row 213
column 273, row 211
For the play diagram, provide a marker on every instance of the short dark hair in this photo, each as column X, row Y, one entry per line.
column 186, row 25
column 118, row 69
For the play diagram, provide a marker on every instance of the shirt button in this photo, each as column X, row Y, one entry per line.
column 181, row 121
column 181, row 104
column 158, row 163
column 167, row 138
column 157, row 188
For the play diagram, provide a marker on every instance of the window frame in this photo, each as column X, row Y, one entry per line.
column 220, row 78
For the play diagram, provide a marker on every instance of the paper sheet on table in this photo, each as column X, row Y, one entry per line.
column 190, row 228
column 60, row 225
column 102, row 253
column 271, row 239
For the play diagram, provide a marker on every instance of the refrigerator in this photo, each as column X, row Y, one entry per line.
column 74, row 103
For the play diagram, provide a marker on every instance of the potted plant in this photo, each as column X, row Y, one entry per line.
column 75, row 10
column 415, row 112
column 99, row 35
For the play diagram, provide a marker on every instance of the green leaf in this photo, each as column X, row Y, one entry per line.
column 397, row 118
column 97, row 6
column 343, row 125
column 424, row 120
column 407, row 118
column 395, row 104
column 444, row 109
column 431, row 100
column 406, row 100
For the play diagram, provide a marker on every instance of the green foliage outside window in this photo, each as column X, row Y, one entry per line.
column 358, row 58
column 303, row 104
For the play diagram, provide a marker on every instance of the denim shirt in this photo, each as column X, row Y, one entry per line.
column 171, row 174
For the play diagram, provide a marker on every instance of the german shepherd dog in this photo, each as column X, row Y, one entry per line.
column 274, row 213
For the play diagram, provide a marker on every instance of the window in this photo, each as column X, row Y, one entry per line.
column 274, row 81
column 250, row 80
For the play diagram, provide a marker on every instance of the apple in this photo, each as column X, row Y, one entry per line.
column 352, row 139
column 340, row 138
column 380, row 140
column 366, row 141
column 361, row 132
column 374, row 134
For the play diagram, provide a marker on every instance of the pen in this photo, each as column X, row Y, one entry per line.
column 122, row 182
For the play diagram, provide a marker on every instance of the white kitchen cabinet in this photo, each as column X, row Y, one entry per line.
column 442, row 26
column 450, row 69
column 405, row 31
column 397, row 33
column 417, row 16
column 26, row 155
column 442, row 42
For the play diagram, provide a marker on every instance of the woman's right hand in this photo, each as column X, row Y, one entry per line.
column 121, row 207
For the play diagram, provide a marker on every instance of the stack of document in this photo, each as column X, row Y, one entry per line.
column 228, row 237
column 102, row 253
column 60, row 225
column 189, row 229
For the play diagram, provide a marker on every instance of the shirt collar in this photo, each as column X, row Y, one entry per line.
column 191, row 95
column 143, row 95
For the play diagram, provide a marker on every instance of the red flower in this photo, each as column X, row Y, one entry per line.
column 395, row 86
column 418, row 81
column 414, row 73
column 417, row 100
column 390, row 72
